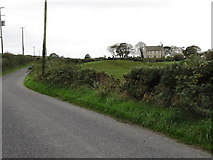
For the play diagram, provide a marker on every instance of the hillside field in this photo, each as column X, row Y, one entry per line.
column 118, row 68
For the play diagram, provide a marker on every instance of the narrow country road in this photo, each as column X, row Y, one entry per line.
column 38, row 126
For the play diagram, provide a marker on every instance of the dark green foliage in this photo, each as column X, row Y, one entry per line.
column 178, row 57
column 71, row 75
column 141, row 81
column 194, row 90
column 191, row 50
column 184, row 86
column 139, row 59
column 208, row 55
column 10, row 61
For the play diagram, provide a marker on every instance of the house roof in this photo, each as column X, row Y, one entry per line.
column 154, row 48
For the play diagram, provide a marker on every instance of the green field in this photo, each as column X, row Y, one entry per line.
column 118, row 68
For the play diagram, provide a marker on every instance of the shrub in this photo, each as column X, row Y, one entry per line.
column 178, row 57
column 194, row 89
column 186, row 86
column 164, row 92
column 141, row 81
column 71, row 75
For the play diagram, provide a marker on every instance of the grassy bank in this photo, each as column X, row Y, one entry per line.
column 175, row 124
column 13, row 69
column 10, row 62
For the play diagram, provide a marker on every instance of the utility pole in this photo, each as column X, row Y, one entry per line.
column 1, row 24
column 44, row 52
column 212, row 25
column 34, row 51
column 22, row 31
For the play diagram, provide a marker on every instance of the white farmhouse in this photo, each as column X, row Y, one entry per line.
column 153, row 51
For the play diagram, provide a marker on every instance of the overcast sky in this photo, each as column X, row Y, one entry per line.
column 78, row 27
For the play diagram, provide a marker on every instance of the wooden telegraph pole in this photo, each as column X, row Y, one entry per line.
column 1, row 24
column 44, row 41
column 22, row 38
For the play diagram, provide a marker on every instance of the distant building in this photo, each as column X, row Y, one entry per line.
column 153, row 52
column 156, row 51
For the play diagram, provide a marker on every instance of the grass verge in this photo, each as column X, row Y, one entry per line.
column 186, row 129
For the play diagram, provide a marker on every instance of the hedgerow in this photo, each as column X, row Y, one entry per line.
column 11, row 60
column 60, row 73
column 185, row 86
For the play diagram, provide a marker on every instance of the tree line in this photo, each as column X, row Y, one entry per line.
column 123, row 50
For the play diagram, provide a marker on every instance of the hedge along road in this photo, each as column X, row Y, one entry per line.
column 38, row 126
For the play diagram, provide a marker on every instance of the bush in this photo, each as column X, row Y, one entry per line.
column 141, row 81
column 194, row 90
column 165, row 90
column 71, row 75
column 178, row 57
column 184, row 86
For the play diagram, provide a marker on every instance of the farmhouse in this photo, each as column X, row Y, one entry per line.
column 153, row 51
column 157, row 51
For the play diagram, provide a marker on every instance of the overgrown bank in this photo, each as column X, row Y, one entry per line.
column 10, row 62
column 80, row 85
column 186, row 86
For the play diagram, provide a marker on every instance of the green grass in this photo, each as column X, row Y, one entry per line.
column 118, row 68
column 184, row 128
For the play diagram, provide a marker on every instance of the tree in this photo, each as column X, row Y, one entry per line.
column 191, row 50
column 112, row 49
column 120, row 49
column 124, row 49
column 139, row 47
column 87, row 56
column 53, row 55
column 129, row 50
column 208, row 55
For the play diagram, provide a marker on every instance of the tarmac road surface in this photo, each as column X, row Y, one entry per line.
column 39, row 126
